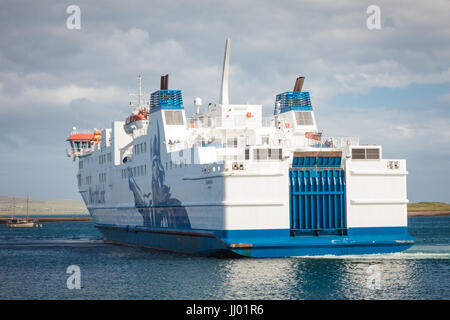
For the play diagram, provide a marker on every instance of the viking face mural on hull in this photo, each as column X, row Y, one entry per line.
column 157, row 207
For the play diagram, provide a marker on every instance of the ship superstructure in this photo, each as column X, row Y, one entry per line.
column 226, row 180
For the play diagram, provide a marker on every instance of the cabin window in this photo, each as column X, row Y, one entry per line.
column 304, row 118
column 265, row 139
column 275, row 154
column 174, row 117
column 260, row 154
column 366, row 153
column 80, row 165
column 372, row 154
column 102, row 159
column 102, row 177
column 358, row 154
column 232, row 142
column 267, row 154
column 247, row 154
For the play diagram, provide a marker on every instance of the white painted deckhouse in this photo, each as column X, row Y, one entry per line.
column 226, row 181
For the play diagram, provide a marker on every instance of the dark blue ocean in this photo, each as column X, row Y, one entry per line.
column 33, row 265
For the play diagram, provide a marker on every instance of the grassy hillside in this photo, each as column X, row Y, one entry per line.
column 41, row 207
column 68, row 206
column 428, row 206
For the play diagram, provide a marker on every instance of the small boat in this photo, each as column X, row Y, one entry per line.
column 21, row 222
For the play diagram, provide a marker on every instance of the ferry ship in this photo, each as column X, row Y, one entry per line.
column 225, row 180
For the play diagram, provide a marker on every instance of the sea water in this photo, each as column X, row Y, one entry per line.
column 34, row 265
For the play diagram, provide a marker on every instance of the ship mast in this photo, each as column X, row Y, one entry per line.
column 14, row 208
column 28, row 204
column 226, row 66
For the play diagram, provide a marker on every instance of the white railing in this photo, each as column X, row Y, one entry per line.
column 267, row 121
column 82, row 131
column 340, row 142
column 237, row 121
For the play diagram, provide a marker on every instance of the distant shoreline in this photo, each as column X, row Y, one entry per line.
column 50, row 219
column 428, row 213
column 4, row 219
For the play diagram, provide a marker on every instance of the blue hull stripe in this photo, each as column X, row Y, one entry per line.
column 261, row 243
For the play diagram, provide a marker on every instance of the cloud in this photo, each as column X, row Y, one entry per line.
column 444, row 98
column 52, row 78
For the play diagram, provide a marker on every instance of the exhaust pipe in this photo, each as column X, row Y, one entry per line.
column 164, row 82
column 299, row 84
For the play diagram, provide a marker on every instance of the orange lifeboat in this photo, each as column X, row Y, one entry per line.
column 141, row 115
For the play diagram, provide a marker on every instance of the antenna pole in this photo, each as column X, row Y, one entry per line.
column 140, row 90
column 226, row 65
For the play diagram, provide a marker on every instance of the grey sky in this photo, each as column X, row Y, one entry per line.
column 388, row 86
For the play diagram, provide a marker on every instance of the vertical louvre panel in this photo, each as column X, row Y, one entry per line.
column 317, row 201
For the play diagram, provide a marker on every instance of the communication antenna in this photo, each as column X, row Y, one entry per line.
column 140, row 90
column 138, row 100
column 197, row 104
